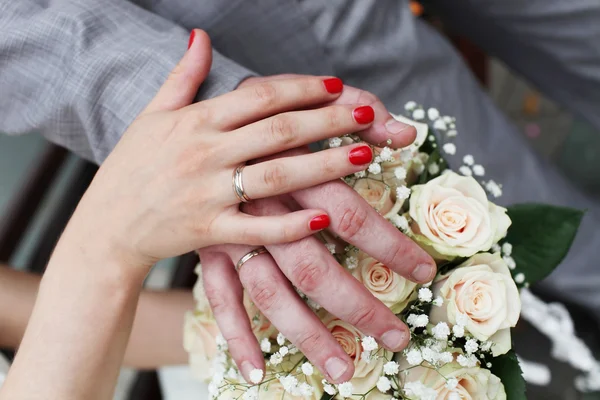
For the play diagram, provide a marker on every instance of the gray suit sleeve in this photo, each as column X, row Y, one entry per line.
column 79, row 72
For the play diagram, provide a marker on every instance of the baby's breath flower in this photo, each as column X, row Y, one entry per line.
column 446, row 357
column 495, row 248
column 351, row 262
column 468, row 361
column 486, row 346
column 434, row 168
column 466, row 171
column 418, row 166
column 468, row 159
column 462, row 319
column 329, row 389
column 294, row 349
column 451, row 383
column 438, row 302
column 289, row 383
column 383, row 384
column 345, row 389
column 471, row 346
column 440, row 125
column 441, row 331
column 418, row 321
column 335, row 142
column 283, row 351
column 510, row 262
column 400, row 222
column 402, row 192
column 493, row 188
column 307, row 369
column 360, row 174
column 369, row 343
column 391, row 368
column 400, row 173
column 414, row 357
column 478, row 170
column 221, row 342
column 418, row 114
column 520, row 277
column 375, row 168
column 386, row 154
column 280, row 339
column 265, row 345
column 425, row 295
column 433, row 114
column 454, row 396
column 406, row 155
column 330, row 247
column 458, row 331
column 305, row 389
column 256, row 375
column 410, row 106
column 276, row 359
column 507, row 249
column 429, row 355
column 251, row 393
column 449, row 148
column 451, row 133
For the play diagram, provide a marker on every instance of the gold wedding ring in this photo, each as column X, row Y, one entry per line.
column 248, row 256
column 238, row 185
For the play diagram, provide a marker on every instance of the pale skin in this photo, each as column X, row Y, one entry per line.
column 166, row 190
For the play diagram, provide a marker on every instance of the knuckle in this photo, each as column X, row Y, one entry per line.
column 310, row 342
column 363, row 316
column 217, row 302
column 264, row 294
column 308, row 274
column 353, row 220
column 329, row 166
column 265, row 93
column 283, row 130
column 395, row 252
column 275, row 177
column 202, row 115
column 367, row 98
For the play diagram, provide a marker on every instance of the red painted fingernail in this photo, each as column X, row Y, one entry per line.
column 364, row 114
column 320, row 222
column 361, row 155
column 192, row 36
column 334, row 85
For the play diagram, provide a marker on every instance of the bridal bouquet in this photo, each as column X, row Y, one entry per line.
column 460, row 323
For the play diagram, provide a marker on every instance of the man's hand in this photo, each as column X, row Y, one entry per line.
column 309, row 266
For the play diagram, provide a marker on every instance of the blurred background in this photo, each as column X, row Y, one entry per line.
column 41, row 184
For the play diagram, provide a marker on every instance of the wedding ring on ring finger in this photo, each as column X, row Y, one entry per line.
column 238, row 184
column 248, row 256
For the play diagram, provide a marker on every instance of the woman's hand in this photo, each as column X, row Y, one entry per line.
column 167, row 187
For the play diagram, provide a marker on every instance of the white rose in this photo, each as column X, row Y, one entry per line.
column 482, row 289
column 393, row 290
column 379, row 196
column 451, row 216
column 199, row 333
column 473, row 383
column 366, row 374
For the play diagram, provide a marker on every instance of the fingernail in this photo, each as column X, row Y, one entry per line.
column 395, row 340
column 319, row 222
column 255, row 375
column 422, row 273
column 360, row 155
column 395, row 127
column 335, row 367
column 364, row 114
column 333, row 85
column 192, row 36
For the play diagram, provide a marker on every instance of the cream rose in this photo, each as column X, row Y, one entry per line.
column 473, row 383
column 366, row 374
column 199, row 333
column 451, row 216
column 482, row 289
column 379, row 196
column 392, row 289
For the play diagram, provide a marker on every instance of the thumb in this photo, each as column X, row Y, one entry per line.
column 180, row 88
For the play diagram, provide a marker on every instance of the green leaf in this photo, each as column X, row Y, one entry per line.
column 541, row 236
column 506, row 367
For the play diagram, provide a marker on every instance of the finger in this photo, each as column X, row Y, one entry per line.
column 313, row 270
column 384, row 126
column 277, row 300
column 285, row 175
column 255, row 102
column 293, row 129
column 224, row 292
column 183, row 83
column 246, row 229
column 356, row 222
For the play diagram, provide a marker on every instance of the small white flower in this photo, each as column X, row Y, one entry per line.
column 510, row 262
column 276, row 359
column 329, row 389
column 433, row 114
column 466, row 171
column 454, row 396
column 468, row 159
column 438, row 302
column 414, row 389
column 458, row 331
column 251, row 393
column 400, row 173
column 507, row 249
column 410, row 106
column 330, row 247
column 496, row 248
column 314, row 306
column 471, row 346
column 478, row 170
column 486, row 346
column 493, row 188
column 440, row 125
column 345, row 389
column 429, row 355
column 221, row 342
column 265, row 345
column 280, row 339
column 451, row 133
column 418, row 321
column 433, row 168
column 391, row 368
column 289, row 383
column 414, row 357
column 418, row 166
column 402, row 192
column 375, row 168
column 383, row 384
column 369, row 343
column 294, row 349
column 399, row 222
column 366, row 356
column 462, row 319
column 307, row 369
column 406, row 155
column 418, row 114
column 441, row 331
column 283, row 351
column 425, row 295
column 305, row 389
column 386, row 154
column 351, row 262
column 232, row 373
column 451, row 383
column 335, row 142
column 448, row 119
column 469, row 361
column 520, row 277
column 446, row 357
column 256, row 375
column 449, row 148
column 360, row 174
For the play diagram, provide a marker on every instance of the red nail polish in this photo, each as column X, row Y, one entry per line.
column 333, row 85
column 320, row 222
column 192, row 36
column 361, row 155
column 364, row 114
